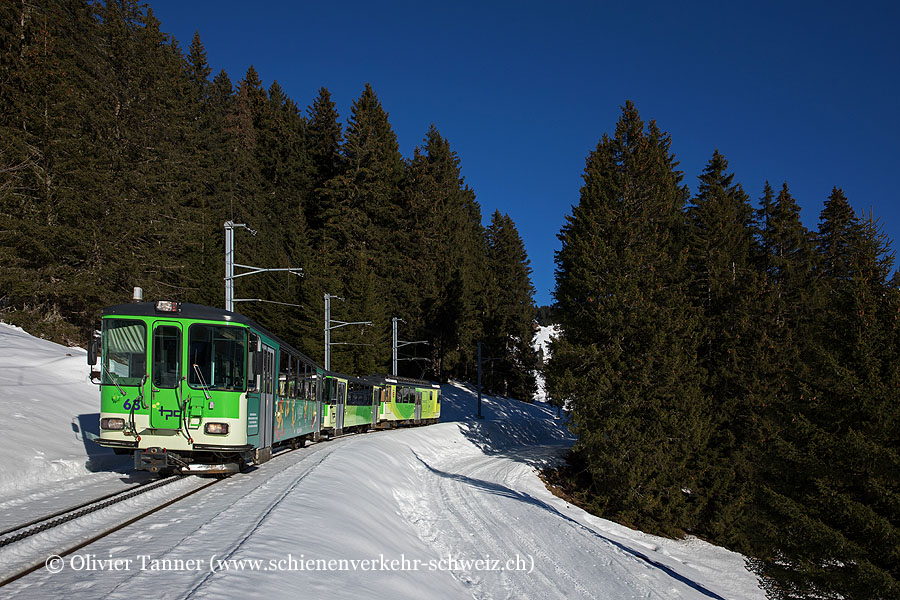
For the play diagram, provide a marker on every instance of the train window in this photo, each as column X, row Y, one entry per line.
column 359, row 395
column 312, row 384
column 268, row 360
column 166, row 356
column 307, row 388
column 406, row 395
column 295, row 376
column 124, row 351
column 253, row 352
column 284, row 372
column 217, row 357
column 290, row 375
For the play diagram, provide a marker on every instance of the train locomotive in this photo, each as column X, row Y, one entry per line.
column 194, row 389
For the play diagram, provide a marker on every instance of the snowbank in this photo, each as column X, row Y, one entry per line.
column 50, row 408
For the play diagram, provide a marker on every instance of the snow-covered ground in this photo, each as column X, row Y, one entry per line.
column 453, row 510
column 50, row 409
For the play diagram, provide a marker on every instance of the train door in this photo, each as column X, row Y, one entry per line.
column 338, row 388
column 163, row 387
column 267, row 397
column 317, row 415
column 419, row 406
column 376, row 404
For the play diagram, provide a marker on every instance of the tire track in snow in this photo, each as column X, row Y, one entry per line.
column 473, row 515
column 623, row 555
column 469, row 510
column 537, row 546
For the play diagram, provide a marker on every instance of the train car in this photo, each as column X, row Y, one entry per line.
column 192, row 388
column 349, row 405
column 406, row 401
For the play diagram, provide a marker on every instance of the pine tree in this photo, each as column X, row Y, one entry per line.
column 509, row 323
column 627, row 354
column 443, row 257
column 725, row 289
column 838, row 440
column 362, row 215
column 324, row 150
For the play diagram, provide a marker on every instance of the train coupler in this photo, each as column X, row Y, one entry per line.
column 151, row 459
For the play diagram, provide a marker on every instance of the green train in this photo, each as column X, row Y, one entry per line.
column 407, row 401
column 195, row 389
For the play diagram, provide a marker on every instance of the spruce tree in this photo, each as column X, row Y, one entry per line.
column 724, row 288
column 833, row 529
column 509, row 322
column 627, row 350
column 48, row 227
column 323, row 146
column 838, row 224
column 205, row 192
column 284, row 167
column 362, row 215
column 446, row 250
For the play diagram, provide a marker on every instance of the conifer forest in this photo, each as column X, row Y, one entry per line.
column 123, row 156
column 727, row 372
column 730, row 373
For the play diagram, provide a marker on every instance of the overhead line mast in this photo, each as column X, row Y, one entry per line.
column 230, row 226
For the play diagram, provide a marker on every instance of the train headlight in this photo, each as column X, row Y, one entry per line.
column 112, row 424
column 216, row 428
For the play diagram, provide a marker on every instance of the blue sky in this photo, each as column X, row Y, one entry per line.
column 798, row 92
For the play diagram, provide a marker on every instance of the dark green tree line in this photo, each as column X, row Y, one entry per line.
column 730, row 373
column 120, row 160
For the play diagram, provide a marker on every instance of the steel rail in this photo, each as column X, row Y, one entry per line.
column 20, row 532
column 111, row 530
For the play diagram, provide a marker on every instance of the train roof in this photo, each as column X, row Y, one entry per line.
column 186, row 310
column 399, row 379
column 346, row 377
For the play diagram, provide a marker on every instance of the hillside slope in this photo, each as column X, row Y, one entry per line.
column 434, row 510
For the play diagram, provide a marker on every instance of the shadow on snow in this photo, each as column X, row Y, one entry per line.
column 503, row 491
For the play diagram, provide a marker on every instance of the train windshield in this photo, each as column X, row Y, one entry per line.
column 124, row 351
column 217, row 357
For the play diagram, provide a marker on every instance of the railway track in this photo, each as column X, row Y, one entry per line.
column 20, row 532
column 11, row 536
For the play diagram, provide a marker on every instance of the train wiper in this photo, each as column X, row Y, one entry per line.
column 203, row 386
column 113, row 377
